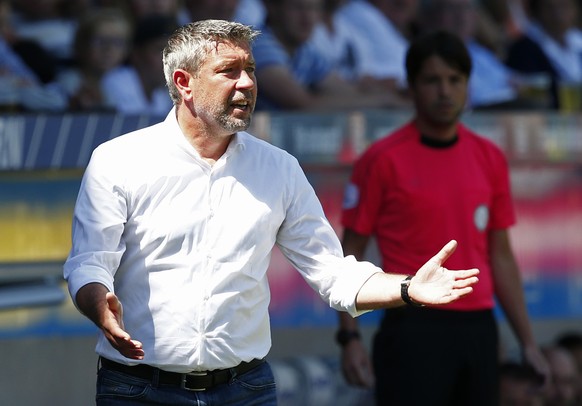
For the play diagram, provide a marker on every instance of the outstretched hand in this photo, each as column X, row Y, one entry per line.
column 435, row 284
column 114, row 331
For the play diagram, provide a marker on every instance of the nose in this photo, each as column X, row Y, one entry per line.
column 444, row 88
column 246, row 80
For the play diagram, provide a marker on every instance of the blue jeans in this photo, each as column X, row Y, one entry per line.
column 255, row 387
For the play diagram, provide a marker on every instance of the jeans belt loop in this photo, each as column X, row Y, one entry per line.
column 233, row 374
column 156, row 378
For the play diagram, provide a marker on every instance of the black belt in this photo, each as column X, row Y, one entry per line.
column 195, row 381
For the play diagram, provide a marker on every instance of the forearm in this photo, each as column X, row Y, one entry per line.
column 509, row 287
column 347, row 322
column 91, row 301
column 380, row 291
column 105, row 310
column 509, row 293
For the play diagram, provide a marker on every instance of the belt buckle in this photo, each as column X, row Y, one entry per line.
column 183, row 381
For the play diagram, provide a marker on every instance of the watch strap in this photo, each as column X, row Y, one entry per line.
column 404, row 293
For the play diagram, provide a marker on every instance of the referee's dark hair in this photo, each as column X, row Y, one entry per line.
column 443, row 44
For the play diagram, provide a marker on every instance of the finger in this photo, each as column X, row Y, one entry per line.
column 462, row 283
column 465, row 274
column 359, row 376
column 365, row 377
column 458, row 293
column 445, row 252
column 131, row 349
column 350, row 377
column 355, row 379
column 352, row 374
column 119, row 334
column 132, row 354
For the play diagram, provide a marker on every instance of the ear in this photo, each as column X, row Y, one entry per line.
column 181, row 80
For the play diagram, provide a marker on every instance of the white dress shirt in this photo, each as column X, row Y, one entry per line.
column 186, row 245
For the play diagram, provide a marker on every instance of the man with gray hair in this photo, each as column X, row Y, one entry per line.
column 177, row 222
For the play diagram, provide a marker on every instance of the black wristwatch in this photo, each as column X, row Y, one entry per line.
column 343, row 337
column 404, row 292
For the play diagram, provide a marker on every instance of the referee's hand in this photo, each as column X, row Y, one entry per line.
column 356, row 365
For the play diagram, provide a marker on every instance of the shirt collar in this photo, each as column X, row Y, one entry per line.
column 238, row 142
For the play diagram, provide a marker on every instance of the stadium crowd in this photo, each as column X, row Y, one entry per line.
column 314, row 55
column 71, row 55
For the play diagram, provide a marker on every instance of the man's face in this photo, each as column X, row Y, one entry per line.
column 108, row 46
column 439, row 92
column 225, row 89
column 146, row 57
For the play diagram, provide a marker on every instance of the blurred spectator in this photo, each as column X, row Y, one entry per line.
column 518, row 386
column 78, row 8
column 250, row 12
column 335, row 39
column 552, row 46
column 40, row 63
column 562, row 389
column 22, row 88
column 101, row 44
column 139, row 87
column 504, row 20
column 492, row 85
column 293, row 74
column 211, row 9
column 385, row 27
column 44, row 22
column 572, row 342
column 347, row 37
column 139, row 9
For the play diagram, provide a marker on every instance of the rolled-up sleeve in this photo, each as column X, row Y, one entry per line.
column 98, row 224
column 310, row 243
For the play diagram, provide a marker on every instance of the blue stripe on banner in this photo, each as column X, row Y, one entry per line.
column 62, row 141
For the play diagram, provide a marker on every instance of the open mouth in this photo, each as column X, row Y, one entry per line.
column 241, row 105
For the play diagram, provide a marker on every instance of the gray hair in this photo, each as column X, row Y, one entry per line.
column 190, row 44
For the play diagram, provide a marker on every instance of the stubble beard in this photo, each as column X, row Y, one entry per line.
column 232, row 124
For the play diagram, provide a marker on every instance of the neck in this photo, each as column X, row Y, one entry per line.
column 208, row 142
column 437, row 143
column 438, row 132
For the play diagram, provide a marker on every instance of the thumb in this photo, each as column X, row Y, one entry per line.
column 115, row 307
column 113, row 303
column 444, row 253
